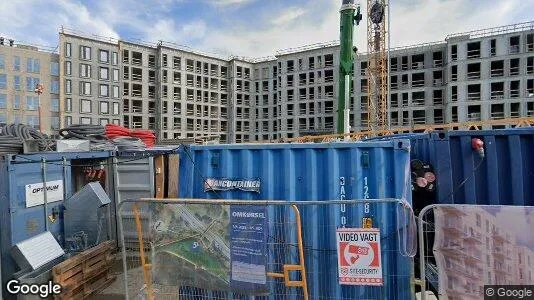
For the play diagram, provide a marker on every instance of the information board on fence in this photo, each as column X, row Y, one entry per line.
column 359, row 258
column 248, row 247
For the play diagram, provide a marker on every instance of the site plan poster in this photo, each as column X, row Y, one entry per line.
column 248, row 245
column 214, row 247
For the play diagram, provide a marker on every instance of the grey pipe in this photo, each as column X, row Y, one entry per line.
column 43, row 169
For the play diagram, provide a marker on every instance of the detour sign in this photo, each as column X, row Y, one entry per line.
column 359, row 260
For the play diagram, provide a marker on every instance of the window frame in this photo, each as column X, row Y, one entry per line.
column 68, row 50
column 16, row 63
column 87, row 71
column 68, row 104
column 100, row 69
column 86, row 118
column 105, row 112
column 68, row 86
column 100, row 86
column 116, row 105
column 52, row 104
column 113, row 89
column 83, row 88
column 100, row 52
column 82, row 101
column 68, row 68
column 83, row 53
column 114, row 58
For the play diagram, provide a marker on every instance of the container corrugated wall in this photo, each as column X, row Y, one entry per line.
column 504, row 177
column 19, row 222
column 304, row 172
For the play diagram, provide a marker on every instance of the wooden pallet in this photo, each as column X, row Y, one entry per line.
column 86, row 273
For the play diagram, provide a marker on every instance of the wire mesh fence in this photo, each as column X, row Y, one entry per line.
column 198, row 249
column 462, row 248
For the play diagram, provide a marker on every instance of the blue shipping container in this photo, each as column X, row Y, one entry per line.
column 23, row 214
column 503, row 177
column 306, row 172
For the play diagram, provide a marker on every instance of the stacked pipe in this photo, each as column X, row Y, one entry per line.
column 124, row 135
column 12, row 137
column 423, row 177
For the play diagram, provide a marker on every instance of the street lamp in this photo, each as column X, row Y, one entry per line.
column 39, row 89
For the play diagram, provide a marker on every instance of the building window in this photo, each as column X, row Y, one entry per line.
column 85, row 106
column 104, row 107
column 104, row 73
column 31, row 83
column 85, row 52
column 3, row 81
column 114, row 58
column 68, row 49
column 116, row 121
column 16, row 82
column 68, row 86
column 115, row 108
column 104, row 90
column 54, row 123
column 54, row 68
column 85, row 88
column 68, row 68
column 85, row 121
column 33, row 65
column 16, row 63
column 3, row 119
column 68, row 104
column 33, row 121
column 103, row 122
column 3, row 100
column 54, row 87
column 16, row 102
column 17, row 119
column 115, row 74
column 104, row 56
column 2, row 61
column 54, row 105
column 115, row 91
column 68, row 120
column 32, row 103
column 85, row 70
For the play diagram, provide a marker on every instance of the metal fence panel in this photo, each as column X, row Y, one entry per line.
column 188, row 253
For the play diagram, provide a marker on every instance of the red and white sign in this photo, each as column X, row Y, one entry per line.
column 359, row 259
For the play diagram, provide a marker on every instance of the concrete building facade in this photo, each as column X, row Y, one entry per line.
column 183, row 93
column 22, row 67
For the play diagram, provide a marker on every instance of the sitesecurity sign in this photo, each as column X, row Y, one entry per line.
column 359, row 259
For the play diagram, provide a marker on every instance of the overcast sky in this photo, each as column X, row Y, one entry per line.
column 254, row 28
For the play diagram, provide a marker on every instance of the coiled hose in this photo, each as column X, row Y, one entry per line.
column 128, row 143
column 95, row 134
column 14, row 135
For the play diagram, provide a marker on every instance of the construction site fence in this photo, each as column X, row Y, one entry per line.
column 185, row 248
column 464, row 248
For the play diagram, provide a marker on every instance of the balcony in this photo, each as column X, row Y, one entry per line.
column 473, row 117
column 418, row 65
column 404, row 66
column 152, row 79
column 137, row 125
column 136, row 61
column 438, row 101
column 530, row 112
column 530, row 69
column 328, row 110
column 497, row 95
column 418, row 83
column 418, row 102
column 137, row 109
column 515, row 114
column 437, row 63
column 474, row 96
column 137, row 77
column 514, row 93
column 497, row 115
column 329, row 79
column 472, row 54
column 419, row 120
column 497, row 72
column 438, row 120
column 190, row 68
column 137, row 93
column 394, row 121
column 473, row 75
column 437, row 82
column 513, row 49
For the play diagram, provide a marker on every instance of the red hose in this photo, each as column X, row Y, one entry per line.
column 147, row 136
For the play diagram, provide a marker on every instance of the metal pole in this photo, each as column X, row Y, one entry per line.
column 123, row 245
column 45, row 196
column 40, row 113
column 389, row 67
column 346, row 111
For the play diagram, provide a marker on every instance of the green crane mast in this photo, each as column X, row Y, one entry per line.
column 350, row 14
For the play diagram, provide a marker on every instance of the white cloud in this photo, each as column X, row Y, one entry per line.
column 290, row 15
column 229, row 2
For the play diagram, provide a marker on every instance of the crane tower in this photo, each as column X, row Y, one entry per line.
column 377, row 70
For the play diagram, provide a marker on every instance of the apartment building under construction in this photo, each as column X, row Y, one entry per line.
column 184, row 93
